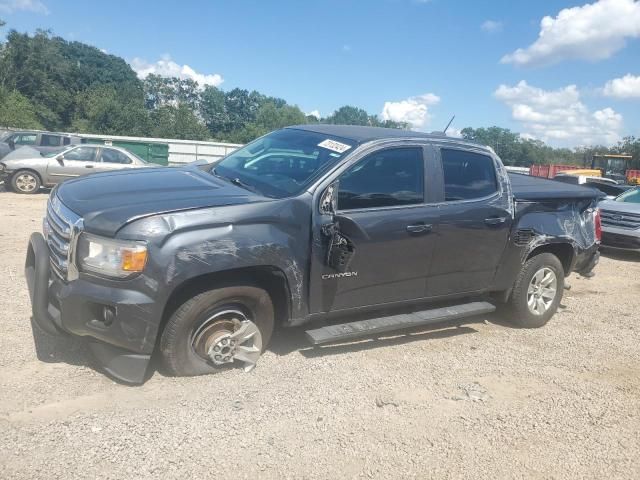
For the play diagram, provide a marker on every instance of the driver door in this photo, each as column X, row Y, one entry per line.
column 76, row 162
column 384, row 215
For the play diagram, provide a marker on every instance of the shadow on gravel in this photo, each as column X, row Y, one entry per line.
column 620, row 255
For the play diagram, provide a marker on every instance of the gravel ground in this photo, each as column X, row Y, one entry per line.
column 483, row 400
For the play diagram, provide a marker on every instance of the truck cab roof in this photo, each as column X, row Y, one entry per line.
column 360, row 134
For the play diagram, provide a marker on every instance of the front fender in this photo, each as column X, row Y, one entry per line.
column 186, row 245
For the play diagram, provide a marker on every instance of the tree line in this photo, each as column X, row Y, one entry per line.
column 50, row 83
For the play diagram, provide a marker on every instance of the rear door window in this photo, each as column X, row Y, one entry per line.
column 50, row 140
column 383, row 179
column 114, row 156
column 467, row 175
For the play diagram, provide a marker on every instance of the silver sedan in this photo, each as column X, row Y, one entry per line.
column 26, row 170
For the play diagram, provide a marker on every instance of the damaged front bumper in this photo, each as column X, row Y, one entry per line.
column 120, row 324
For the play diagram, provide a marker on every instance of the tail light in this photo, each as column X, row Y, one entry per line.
column 598, row 224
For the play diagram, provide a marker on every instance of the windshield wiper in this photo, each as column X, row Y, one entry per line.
column 236, row 181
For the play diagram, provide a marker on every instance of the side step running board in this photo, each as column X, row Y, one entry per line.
column 362, row 328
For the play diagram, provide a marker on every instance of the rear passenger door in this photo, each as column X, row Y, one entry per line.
column 475, row 220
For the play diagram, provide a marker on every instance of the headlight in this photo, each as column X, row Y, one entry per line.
column 112, row 258
column 2, row 167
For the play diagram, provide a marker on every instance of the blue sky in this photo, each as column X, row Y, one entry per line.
column 414, row 60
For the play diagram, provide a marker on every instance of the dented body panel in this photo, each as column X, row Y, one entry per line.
column 199, row 228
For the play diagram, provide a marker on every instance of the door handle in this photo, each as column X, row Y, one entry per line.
column 495, row 220
column 419, row 228
column 88, row 166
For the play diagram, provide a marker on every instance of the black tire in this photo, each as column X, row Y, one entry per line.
column 518, row 310
column 179, row 356
column 18, row 184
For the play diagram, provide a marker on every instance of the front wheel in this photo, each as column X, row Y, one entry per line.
column 25, row 181
column 216, row 329
column 537, row 291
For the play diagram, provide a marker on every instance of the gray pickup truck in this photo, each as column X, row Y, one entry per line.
column 199, row 264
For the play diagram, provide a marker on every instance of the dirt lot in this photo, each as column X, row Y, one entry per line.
column 478, row 401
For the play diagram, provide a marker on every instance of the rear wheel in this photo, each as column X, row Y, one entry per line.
column 217, row 329
column 537, row 291
column 25, row 181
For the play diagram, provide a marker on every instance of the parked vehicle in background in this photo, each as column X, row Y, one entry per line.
column 28, row 174
column 609, row 187
column 304, row 223
column 44, row 142
column 521, row 170
column 621, row 221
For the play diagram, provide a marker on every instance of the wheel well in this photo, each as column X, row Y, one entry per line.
column 270, row 279
column 564, row 252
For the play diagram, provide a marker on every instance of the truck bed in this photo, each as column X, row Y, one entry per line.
column 526, row 187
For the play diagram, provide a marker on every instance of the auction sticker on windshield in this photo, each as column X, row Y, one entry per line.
column 334, row 146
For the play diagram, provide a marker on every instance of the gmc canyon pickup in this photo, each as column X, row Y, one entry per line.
column 199, row 264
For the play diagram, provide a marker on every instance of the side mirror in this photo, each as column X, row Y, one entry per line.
column 60, row 159
column 12, row 144
column 329, row 200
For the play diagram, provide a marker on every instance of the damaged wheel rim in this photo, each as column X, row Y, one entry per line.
column 227, row 336
column 542, row 291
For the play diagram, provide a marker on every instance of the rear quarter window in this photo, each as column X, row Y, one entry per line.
column 467, row 175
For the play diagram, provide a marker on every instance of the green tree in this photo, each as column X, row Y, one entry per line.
column 17, row 111
column 51, row 72
column 349, row 115
column 161, row 91
column 177, row 122
column 103, row 109
column 213, row 110
column 270, row 116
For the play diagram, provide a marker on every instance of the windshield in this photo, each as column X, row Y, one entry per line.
column 282, row 163
column 632, row 196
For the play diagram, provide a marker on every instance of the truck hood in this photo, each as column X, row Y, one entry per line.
column 108, row 201
column 623, row 207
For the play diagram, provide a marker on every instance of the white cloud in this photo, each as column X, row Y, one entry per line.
column 624, row 87
column 591, row 32
column 314, row 113
column 166, row 67
column 35, row 6
column 491, row 26
column 559, row 116
column 454, row 132
column 413, row 110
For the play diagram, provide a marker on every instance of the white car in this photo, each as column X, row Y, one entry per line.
column 26, row 170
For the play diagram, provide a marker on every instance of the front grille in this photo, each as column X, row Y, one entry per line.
column 627, row 220
column 62, row 224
